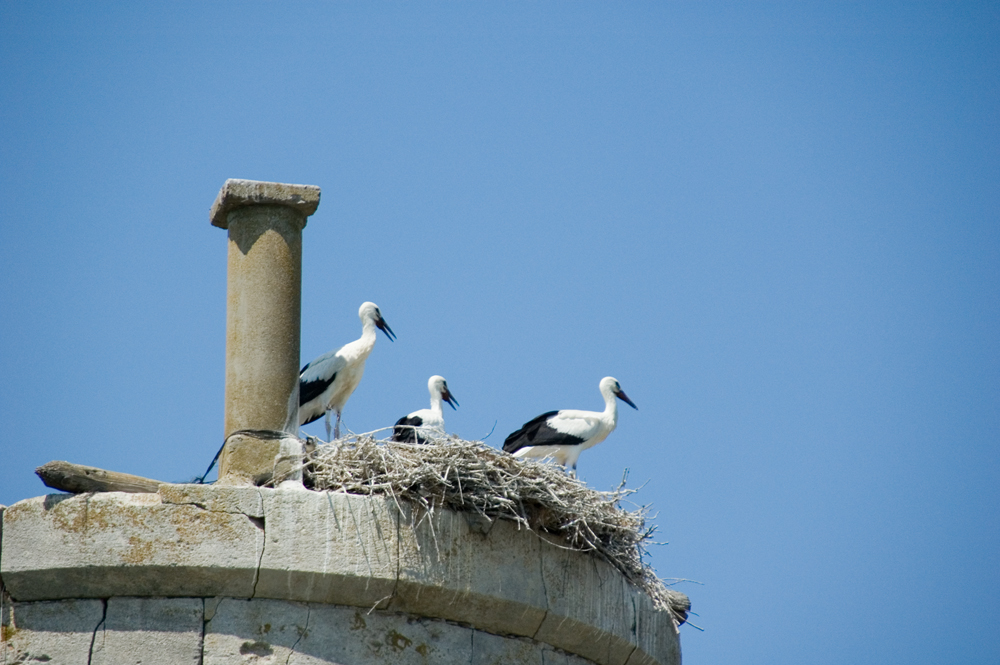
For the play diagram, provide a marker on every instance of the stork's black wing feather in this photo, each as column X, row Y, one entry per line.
column 310, row 390
column 404, row 431
column 527, row 434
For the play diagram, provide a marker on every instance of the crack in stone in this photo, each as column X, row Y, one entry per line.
column 399, row 554
column 93, row 637
column 302, row 633
column 6, row 622
column 204, row 630
column 545, row 589
column 204, row 507
column 635, row 629
column 263, row 531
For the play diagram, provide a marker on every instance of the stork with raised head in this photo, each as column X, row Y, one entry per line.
column 327, row 382
column 415, row 427
column 563, row 435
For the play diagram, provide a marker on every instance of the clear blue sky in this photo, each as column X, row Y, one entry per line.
column 775, row 224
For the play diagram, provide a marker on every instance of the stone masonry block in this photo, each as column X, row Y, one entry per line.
column 450, row 571
column 216, row 498
column 328, row 548
column 267, row 631
column 56, row 633
column 274, row 631
column 656, row 633
column 151, row 631
column 490, row 649
column 346, row 635
column 118, row 544
column 253, row 631
column 591, row 611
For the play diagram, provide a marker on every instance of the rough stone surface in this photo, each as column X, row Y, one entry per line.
column 658, row 639
column 236, row 193
column 241, row 630
column 328, row 548
column 450, row 571
column 309, row 633
column 151, row 631
column 584, row 594
column 216, row 498
column 313, row 551
column 54, row 632
column 249, row 461
column 118, row 544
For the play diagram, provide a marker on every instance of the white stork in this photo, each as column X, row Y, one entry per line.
column 414, row 427
column 563, row 435
column 327, row 382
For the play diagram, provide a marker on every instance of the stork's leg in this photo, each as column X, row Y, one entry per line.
column 336, row 428
column 328, row 426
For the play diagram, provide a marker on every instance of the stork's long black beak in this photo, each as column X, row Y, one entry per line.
column 623, row 397
column 384, row 327
column 448, row 397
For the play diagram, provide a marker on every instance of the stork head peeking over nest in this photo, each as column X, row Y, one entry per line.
column 415, row 427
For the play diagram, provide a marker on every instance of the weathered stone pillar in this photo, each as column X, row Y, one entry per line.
column 263, row 312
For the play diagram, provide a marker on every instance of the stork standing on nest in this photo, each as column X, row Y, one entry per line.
column 415, row 427
column 563, row 435
column 327, row 382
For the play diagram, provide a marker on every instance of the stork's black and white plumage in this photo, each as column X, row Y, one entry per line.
column 326, row 383
column 563, row 435
column 416, row 427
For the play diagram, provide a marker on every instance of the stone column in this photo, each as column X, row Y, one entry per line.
column 263, row 312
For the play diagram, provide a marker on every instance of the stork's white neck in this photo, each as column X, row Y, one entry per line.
column 436, row 406
column 610, row 413
column 368, row 334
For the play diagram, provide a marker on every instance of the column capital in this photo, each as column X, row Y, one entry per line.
column 237, row 193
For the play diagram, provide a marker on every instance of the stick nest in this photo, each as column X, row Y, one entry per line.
column 472, row 477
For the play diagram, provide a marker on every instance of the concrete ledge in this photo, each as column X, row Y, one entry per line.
column 329, row 550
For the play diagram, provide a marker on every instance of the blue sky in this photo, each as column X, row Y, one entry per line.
column 775, row 223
